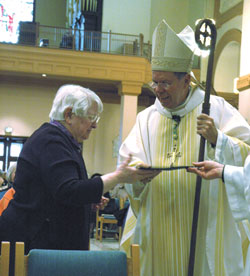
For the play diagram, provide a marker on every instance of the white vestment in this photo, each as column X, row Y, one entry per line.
column 237, row 182
column 164, row 207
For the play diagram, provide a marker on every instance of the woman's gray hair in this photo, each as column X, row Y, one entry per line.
column 77, row 97
column 2, row 173
column 10, row 171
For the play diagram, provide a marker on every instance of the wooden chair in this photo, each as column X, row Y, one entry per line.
column 4, row 258
column 100, row 220
column 133, row 263
column 40, row 262
column 107, row 219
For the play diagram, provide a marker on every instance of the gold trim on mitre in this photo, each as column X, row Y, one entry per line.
column 171, row 64
column 170, row 51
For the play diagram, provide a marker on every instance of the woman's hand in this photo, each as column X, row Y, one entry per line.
column 127, row 174
column 131, row 175
column 101, row 205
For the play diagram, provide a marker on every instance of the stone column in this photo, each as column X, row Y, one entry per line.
column 129, row 92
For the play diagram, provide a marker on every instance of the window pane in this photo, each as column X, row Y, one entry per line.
column 1, row 165
column 15, row 149
column 11, row 13
column 1, row 148
column 12, row 162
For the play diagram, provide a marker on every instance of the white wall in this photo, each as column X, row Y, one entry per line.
column 142, row 16
column 24, row 106
column 244, row 98
column 234, row 23
column 127, row 17
column 228, row 68
column 51, row 13
column 174, row 12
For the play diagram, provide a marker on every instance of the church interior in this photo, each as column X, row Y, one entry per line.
column 105, row 45
column 31, row 74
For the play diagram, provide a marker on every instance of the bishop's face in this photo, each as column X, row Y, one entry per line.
column 170, row 90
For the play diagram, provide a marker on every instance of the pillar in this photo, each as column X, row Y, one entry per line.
column 129, row 92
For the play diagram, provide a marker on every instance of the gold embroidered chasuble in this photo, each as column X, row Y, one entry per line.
column 172, row 195
column 164, row 207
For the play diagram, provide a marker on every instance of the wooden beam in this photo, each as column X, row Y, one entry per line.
column 243, row 83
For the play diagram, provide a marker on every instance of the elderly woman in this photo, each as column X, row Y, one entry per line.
column 9, row 191
column 11, row 172
column 3, row 183
column 51, row 206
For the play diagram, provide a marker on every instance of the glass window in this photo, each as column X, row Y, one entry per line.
column 15, row 149
column 12, row 162
column 10, row 149
column 11, row 13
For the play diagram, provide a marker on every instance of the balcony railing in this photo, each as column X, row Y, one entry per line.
column 79, row 40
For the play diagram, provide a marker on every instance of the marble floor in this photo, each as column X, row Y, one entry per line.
column 106, row 244
column 110, row 240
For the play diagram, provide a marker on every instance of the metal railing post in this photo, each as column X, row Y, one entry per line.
column 74, row 40
column 149, row 50
column 109, row 41
column 91, row 41
column 141, row 45
column 80, row 39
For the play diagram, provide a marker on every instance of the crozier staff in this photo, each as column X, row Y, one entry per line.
column 205, row 37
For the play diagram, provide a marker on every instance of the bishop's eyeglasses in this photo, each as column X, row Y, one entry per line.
column 162, row 84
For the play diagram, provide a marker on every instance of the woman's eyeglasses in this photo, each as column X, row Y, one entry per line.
column 93, row 118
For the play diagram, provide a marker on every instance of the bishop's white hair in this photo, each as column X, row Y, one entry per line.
column 75, row 96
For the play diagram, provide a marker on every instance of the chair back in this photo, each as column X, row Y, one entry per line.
column 4, row 258
column 40, row 262
column 133, row 262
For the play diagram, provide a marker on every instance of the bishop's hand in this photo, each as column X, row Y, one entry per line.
column 206, row 127
column 207, row 169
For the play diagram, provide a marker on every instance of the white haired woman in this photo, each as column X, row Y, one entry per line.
column 9, row 192
column 11, row 172
column 51, row 206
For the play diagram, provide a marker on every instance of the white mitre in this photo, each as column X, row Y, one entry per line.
column 170, row 51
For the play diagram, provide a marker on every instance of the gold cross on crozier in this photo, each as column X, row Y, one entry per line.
column 173, row 155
